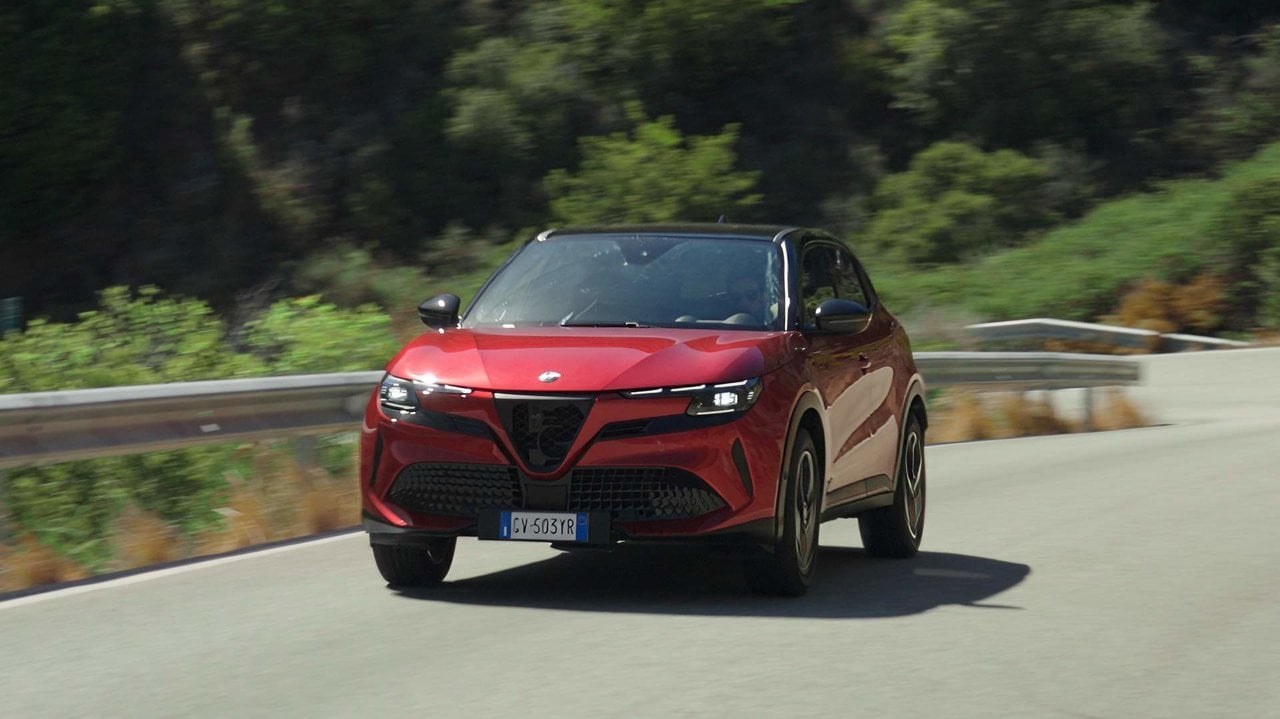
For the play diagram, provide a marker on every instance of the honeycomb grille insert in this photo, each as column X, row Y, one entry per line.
column 641, row 493
column 456, row 489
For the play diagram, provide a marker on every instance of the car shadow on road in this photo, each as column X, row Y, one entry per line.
column 663, row 580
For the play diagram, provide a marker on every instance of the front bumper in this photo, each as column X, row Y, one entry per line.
column 660, row 475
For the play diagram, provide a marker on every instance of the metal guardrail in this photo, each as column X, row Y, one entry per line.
column 1043, row 328
column 53, row 427
column 1026, row 370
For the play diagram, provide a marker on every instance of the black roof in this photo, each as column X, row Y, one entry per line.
column 755, row 232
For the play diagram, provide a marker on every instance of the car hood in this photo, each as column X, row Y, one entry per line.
column 588, row 359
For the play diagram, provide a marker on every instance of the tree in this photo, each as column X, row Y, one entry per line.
column 956, row 201
column 653, row 174
column 1237, row 88
column 1014, row 72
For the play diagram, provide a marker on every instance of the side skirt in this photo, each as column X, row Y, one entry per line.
column 858, row 506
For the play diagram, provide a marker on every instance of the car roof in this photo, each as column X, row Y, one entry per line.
column 701, row 229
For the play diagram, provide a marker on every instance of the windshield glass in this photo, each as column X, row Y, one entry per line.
column 636, row 281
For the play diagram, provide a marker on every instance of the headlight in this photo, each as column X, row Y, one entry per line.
column 402, row 394
column 724, row 398
column 396, row 393
column 705, row 399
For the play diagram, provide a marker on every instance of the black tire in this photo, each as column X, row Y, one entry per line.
column 895, row 531
column 789, row 569
column 422, row 565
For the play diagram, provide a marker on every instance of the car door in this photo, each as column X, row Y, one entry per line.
column 853, row 372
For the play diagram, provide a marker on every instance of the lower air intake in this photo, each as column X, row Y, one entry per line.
column 456, row 489
column 641, row 493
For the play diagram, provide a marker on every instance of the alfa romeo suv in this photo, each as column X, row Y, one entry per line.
column 733, row 385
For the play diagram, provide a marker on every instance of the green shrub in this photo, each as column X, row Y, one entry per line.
column 1247, row 233
column 1079, row 271
column 956, row 202
column 146, row 337
column 652, row 174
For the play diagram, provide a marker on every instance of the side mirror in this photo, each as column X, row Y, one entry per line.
column 440, row 311
column 842, row 316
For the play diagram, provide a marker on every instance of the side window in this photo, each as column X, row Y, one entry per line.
column 848, row 284
column 817, row 280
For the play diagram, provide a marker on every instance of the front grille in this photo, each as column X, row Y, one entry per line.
column 641, row 493
column 542, row 429
column 456, row 489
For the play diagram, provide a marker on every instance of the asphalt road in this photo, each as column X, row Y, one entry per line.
column 1120, row 574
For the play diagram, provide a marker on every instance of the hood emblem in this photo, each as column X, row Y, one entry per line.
column 549, row 376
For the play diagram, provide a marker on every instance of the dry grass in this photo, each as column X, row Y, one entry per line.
column 1100, row 348
column 246, row 523
column 289, row 498
column 1201, row 304
column 1117, row 411
column 1195, row 306
column 283, row 496
column 1024, row 416
column 960, row 417
column 330, row 505
column 964, row 415
column 32, row 564
column 1267, row 338
column 141, row 538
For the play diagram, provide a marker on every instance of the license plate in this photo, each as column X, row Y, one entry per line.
column 544, row 526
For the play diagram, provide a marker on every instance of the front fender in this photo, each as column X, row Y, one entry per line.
column 915, row 390
column 808, row 399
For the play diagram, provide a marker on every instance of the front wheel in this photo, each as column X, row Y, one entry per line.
column 788, row 570
column 413, row 565
column 895, row 531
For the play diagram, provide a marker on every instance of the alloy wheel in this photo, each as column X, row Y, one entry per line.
column 806, row 510
column 913, row 476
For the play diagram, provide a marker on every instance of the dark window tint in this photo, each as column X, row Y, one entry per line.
column 817, row 280
column 828, row 271
column 848, row 284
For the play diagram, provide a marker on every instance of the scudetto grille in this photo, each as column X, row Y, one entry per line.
column 456, row 489
column 542, row 429
column 641, row 493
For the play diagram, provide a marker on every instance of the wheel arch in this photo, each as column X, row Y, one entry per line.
column 913, row 405
column 807, row 414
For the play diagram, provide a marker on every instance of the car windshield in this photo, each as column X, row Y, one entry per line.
column 636, row 281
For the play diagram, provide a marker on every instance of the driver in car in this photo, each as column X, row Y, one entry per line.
column 747, row 292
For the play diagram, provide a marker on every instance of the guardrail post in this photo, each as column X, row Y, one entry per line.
column 304, row 453
column 1088, row 409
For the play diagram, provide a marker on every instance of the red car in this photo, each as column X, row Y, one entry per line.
column 728, row 384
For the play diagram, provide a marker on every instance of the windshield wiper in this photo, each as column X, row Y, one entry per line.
column 628, row 323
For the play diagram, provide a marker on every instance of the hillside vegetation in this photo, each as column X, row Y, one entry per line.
column 243, row 151
column 1227, row 230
